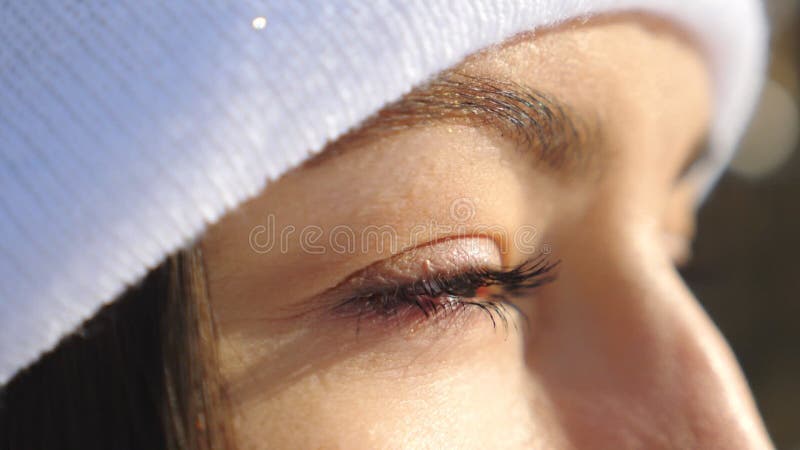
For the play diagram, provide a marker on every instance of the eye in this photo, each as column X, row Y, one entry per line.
column 441, row 285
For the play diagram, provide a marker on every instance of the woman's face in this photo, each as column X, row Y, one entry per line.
column 489, row 263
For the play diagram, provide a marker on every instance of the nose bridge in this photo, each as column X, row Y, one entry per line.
column 627, row 355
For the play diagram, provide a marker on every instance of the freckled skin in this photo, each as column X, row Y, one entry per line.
column 617, row 353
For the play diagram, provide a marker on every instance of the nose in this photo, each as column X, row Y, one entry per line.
column 628, row 359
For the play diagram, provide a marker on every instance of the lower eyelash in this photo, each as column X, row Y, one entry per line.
column 498, row 311
column 413, row 312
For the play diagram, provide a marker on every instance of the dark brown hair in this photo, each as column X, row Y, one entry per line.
column 141, row 374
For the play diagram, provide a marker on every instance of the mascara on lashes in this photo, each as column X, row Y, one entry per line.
column 440, row 295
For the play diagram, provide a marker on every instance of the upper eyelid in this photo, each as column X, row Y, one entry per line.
column 473, row 249
column 368, row 278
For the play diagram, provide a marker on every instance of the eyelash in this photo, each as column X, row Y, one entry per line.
column 442, row 295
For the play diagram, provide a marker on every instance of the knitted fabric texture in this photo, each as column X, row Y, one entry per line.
column 127, row 127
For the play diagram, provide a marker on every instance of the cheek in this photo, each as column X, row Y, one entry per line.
column 447, row 394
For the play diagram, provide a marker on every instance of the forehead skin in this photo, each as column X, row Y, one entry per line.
column 291, row 384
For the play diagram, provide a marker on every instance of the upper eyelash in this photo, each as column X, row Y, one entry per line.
column 447, row 292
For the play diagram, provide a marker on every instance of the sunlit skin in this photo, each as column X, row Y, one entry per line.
column 616, row 353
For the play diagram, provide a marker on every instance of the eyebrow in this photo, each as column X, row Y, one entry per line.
column 535, row 122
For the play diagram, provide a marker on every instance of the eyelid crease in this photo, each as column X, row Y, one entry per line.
column 447, row 255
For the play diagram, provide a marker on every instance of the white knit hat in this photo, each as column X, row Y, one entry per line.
column 126, row 127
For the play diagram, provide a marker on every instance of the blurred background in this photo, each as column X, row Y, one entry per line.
column 746, row 266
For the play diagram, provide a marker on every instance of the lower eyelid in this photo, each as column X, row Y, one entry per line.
column 441, row 313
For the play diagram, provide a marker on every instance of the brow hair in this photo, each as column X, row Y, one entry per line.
column 536, row 122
